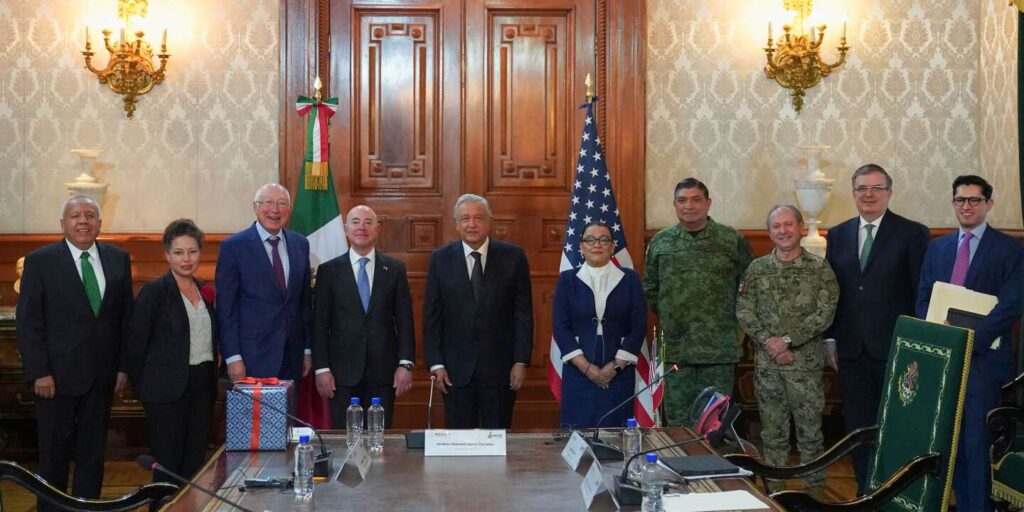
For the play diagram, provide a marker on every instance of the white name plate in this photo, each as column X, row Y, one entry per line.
column 464, row 443
column 574, row 450
column 358, row 458
column 593, row 485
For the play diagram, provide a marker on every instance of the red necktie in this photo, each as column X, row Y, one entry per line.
column 278, row 265
column 963, row 260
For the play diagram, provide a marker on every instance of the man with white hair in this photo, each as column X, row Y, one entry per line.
column 75, row 301
column 263, row 293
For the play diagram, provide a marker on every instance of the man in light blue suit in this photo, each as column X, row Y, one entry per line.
column 263, row 294
column 984, row 259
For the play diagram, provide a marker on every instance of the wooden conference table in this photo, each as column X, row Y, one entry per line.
column 532, row 477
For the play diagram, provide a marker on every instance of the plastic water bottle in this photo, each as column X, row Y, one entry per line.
column 303, row 469
column 375, row 424
column 653, row 481
column 632, row 444
column 354, row 423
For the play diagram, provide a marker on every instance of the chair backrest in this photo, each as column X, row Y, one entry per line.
column 920, row 410
column 151, row 493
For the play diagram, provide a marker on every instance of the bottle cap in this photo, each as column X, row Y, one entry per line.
column 652, row 458
column 354, row 401
column 630, row 423
column 375, row 401
column 303, row 439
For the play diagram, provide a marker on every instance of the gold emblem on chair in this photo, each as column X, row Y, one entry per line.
column 908, row 384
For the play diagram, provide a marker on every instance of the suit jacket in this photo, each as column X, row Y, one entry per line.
column 624, row 322
column 995, row 270
column 871, row 300
column 58, row 334
column 160, row 341
column 257, row 320
column 352, row 342
column 484, row 339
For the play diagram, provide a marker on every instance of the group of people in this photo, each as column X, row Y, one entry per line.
column 801, row 311
column 82, row 336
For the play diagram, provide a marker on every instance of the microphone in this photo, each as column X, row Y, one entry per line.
column 322, row 462
column 416, row 439
column 604, row 451
column 148, row 462
column 627, row 490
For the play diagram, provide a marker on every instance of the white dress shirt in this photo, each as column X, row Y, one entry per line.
column 94, row 258
column 282, row 248
column 862, row 233
column 470, row 261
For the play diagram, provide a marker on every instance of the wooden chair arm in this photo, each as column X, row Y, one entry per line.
column 866, row 435
column 151, row 493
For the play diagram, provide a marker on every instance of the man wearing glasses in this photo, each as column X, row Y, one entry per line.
column 263, row 294
column 692, row 273
column 984, row 259
column 876, row 257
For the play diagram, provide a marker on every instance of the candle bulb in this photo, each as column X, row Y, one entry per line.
column 122, row 37
column 769, row 32
column 844, row 29
column 87, row 36
column 163, row 44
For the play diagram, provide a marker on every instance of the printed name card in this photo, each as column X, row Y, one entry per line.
column 574, row 451
column 357, row 463
column 470, row 443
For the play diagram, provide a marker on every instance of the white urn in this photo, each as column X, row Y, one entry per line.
column 812, row 194
column 86, row 183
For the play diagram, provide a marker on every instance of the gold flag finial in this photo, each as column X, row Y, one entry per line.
column 590, row 88
column 317, row 85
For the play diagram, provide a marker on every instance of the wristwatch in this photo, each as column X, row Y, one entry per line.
column 788, row 340
column 407, row 366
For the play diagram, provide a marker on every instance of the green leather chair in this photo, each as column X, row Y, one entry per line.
column 1007, row 423
column 915, row 439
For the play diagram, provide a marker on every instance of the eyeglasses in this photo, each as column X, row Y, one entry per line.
column 877, row 189
column 591, row 241
column 973, row 201
column 281, row 204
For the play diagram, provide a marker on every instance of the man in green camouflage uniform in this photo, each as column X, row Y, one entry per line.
column 691, row 275
column 786, row 301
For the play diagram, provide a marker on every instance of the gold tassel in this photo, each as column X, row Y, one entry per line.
column 315, row 176
column 1018, row 3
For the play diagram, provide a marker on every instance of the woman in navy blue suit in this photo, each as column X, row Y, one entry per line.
column 600, row 317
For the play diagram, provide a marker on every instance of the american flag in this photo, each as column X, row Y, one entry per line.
column 593, row 201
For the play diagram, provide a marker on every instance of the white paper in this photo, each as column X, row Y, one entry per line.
column 302, row 431
column 592, row 485
column 574, row 450
column 712, row 501
column 945, row 296
column 475, row 442
column 359, row 458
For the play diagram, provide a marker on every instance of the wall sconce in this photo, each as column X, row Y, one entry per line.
column 130, row 70
column 794, row 62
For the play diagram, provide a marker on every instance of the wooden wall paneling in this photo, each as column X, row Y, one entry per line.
column 298, row 63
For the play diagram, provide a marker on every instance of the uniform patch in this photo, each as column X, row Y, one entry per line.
column 743, row 288
column 908, row 384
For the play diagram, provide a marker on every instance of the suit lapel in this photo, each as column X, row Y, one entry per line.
column 294, row 262
column 259, row 253
column 461, row 273
column 380, row 272
column 885, row 230
column 111, row 274
column 984, row 246
column 68, row 267
column 494, row 257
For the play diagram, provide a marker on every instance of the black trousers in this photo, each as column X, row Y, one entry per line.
column 365, row 391
column 76, row 424
column 862, row 380
column 180, row 430
column 477, row 405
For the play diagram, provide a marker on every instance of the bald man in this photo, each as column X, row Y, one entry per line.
column 363, row 342
column 263, row 293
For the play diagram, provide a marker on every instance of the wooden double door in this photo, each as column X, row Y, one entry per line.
column 444, row 97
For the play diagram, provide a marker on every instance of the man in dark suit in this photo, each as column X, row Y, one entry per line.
column 263, row 294
column 73, row 311
column 984, row 259
column 478, row 321
column 363, row 341
column 876, row 257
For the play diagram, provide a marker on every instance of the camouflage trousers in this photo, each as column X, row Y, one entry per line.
column 782, row 395
column 683, row 387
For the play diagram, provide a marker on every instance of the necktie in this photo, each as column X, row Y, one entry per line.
column 363, row 283
column 92, row 286
column 476, row 279
column 963, row 260
column 278, row 265
column 866, row 250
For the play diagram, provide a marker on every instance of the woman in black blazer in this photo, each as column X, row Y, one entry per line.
column 172, row 350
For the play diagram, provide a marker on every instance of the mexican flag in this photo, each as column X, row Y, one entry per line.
column 316, row 215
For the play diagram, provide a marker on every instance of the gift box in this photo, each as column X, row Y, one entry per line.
column 252, row 425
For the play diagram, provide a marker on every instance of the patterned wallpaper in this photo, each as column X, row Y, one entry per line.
column 200, row 143
column 927, row 92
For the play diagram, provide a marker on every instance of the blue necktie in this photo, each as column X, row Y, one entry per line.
column 363, row 283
